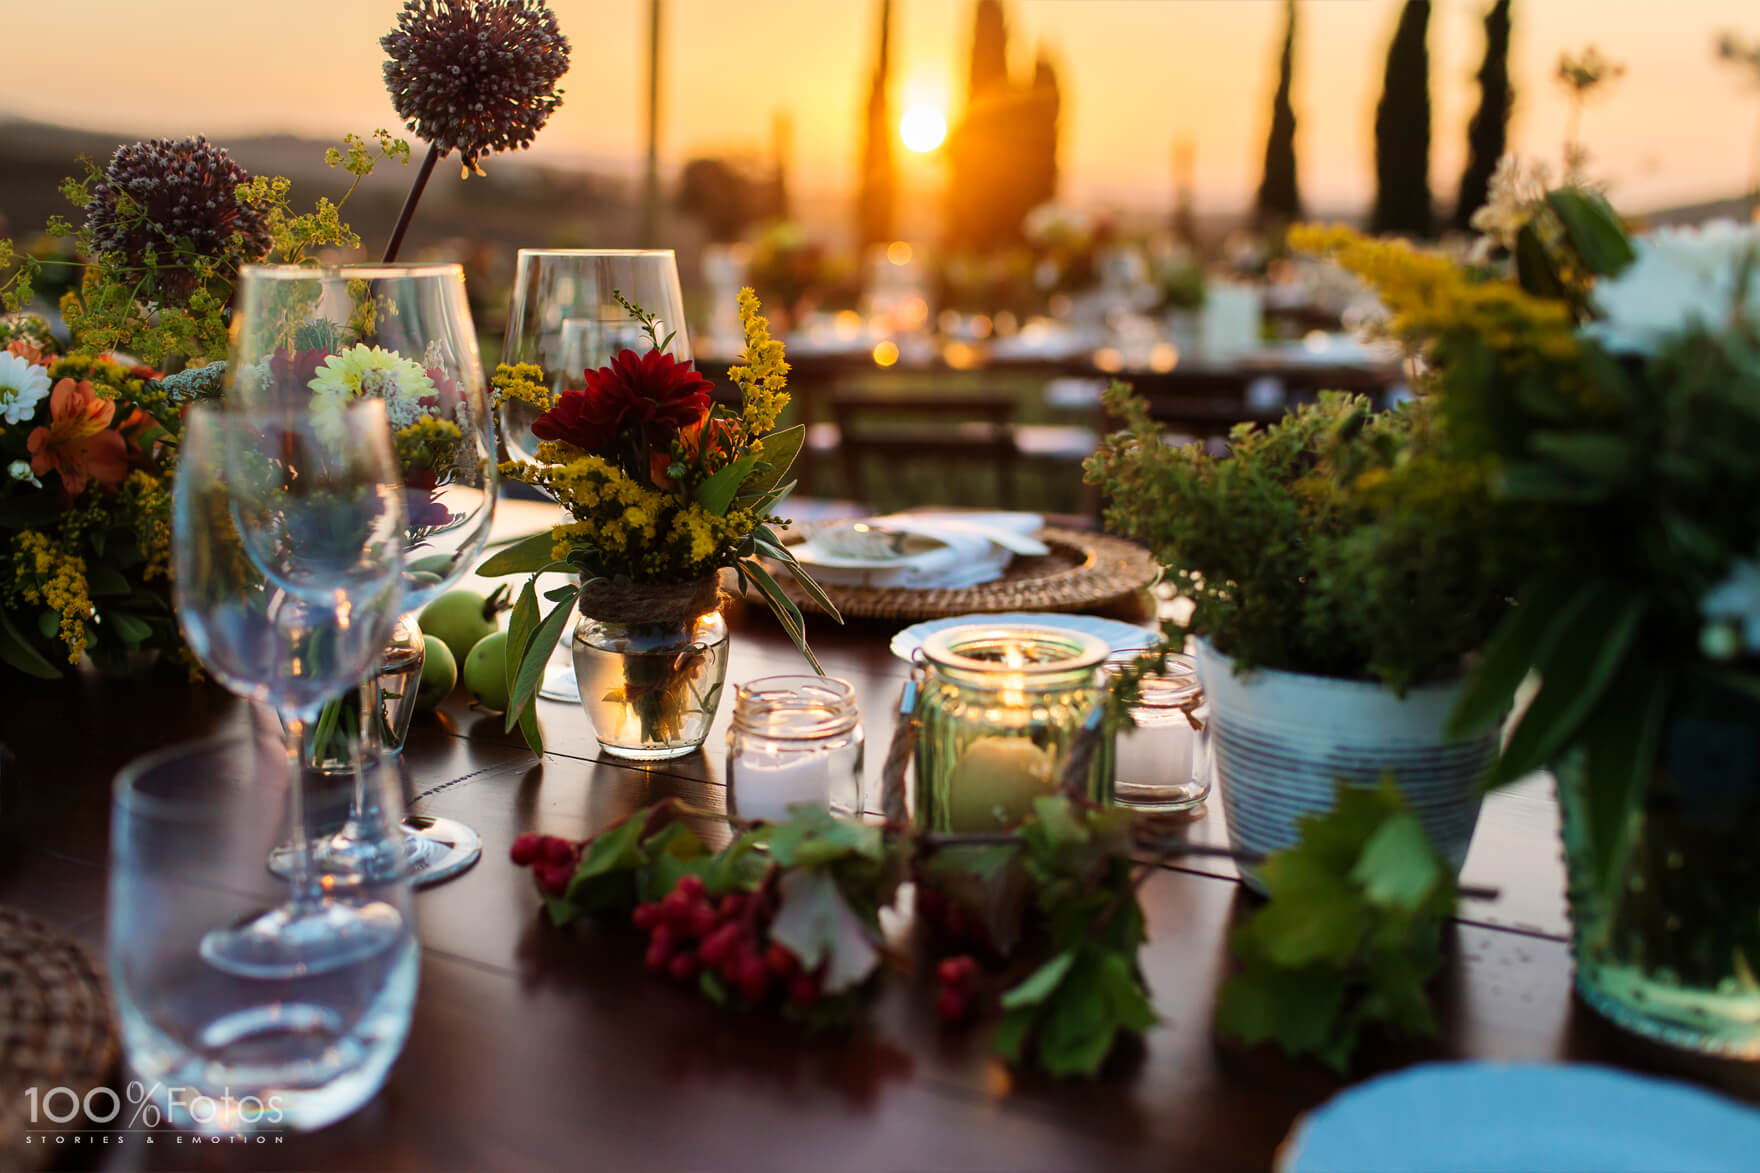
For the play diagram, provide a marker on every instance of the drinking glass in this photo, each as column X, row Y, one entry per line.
column 217, row 1050
column 565, row 317
column 286, row 544
column 310, row 340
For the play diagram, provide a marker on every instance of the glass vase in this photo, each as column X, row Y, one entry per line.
column 650, row 685
column 329, row 741
column 1664, row 884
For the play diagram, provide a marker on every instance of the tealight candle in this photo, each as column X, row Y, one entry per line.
column 795, row 739
column 999, row 712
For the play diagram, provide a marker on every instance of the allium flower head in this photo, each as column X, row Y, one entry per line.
column 476, row 75
column 158, row 193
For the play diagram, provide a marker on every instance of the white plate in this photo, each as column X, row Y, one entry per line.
column 1117, row 635
column 1531, row 1118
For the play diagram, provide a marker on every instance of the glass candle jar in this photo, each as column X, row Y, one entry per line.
column 1162, row 761
column 795, row 739
column 999, row 711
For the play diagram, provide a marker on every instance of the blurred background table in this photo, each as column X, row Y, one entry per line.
column 539, row 1047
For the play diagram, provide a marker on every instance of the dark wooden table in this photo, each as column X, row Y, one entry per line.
column 534, row 1047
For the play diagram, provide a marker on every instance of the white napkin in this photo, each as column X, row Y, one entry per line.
column 978, row 547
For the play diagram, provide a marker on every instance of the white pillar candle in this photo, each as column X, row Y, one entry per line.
column 764, row 785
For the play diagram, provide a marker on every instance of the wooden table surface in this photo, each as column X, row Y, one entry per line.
column 539, row 1047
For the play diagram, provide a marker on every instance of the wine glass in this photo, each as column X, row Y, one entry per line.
column 565, row 316
column 312, row 339
column 287, row 540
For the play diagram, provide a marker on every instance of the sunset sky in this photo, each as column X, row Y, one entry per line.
column 1137, row 75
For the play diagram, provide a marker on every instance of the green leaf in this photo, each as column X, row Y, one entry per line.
column 1041, row 983
column 780, row 450
column 780, row 553
column 781, row 606
column 1533, row 480
column 15, row 651
column 1604, row 457
column 1582, row 654
column 1593, row 229
column 717, row 492
column 816, row 924
column 603, row 879
column 1513, row 649
column 132, row 630
column 1296, row 1009
column 1314, row 914
column 813, row 836
column 523, row 557
column 530, row 669
column 530, row 729
column 1621, row 737
column 521, row 622
column 107, row 582
column 1534, row 266
column 1398, row 868
column 1011, row 1035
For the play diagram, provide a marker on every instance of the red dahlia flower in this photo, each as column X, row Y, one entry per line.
column 653, row 392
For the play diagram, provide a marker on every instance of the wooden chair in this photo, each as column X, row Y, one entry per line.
column 951, row 430
column 1197, row 403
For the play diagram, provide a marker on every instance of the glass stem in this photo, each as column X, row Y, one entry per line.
column 302, row 877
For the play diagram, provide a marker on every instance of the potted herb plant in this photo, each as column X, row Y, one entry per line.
column 1340, row 566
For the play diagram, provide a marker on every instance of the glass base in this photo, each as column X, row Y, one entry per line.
column 1726, row 1025
column 295, row 942
column 560, row 684
column 1159, row 798
column 439, row 848
column 653, row 753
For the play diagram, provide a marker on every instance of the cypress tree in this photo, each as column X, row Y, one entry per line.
column 874, row 202
column 1280, row 199
column 1486, row 133
column 1402, row 130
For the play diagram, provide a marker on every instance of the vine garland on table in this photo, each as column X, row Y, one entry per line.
column 1041, row 924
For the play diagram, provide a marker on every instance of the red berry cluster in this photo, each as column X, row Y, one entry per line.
column 552, row 859
column 948, row 919
column 691, row 930
column 959, row 994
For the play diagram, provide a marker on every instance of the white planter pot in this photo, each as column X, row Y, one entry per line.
column 1282, row 741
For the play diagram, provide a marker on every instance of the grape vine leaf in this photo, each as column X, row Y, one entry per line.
column 817, row 924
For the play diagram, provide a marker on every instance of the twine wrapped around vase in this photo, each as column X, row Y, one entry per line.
column 652, row 603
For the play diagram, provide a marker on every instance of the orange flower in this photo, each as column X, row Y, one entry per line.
column 26, row 351
column 723, row 437
column 78, row 442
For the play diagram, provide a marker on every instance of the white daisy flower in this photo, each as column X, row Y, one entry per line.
column 23, row 385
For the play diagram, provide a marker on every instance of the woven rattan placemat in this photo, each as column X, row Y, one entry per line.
column 55, row 1032
column 1083, row 571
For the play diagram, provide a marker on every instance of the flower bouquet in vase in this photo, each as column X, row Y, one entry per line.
column 663, row 489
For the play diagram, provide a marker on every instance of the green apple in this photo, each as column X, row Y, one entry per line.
column 994, row 783
column 439, row 675
column 485, row 672
column 459, row 619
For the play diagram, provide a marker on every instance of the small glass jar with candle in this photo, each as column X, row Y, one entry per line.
column 1000, row 709
column 1162, row 761
column 795, row 739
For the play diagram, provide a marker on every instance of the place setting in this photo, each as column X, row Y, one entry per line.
column 498, row 661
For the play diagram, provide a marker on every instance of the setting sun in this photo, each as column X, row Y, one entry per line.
column 922, row 128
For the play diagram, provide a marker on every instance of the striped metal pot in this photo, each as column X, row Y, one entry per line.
column 1282, row 741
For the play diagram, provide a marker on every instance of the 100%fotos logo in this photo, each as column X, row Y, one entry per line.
column 141, row 1107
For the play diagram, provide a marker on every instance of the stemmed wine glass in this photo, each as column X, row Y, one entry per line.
column 564, row 315
column 313, row 339
column 287, row 541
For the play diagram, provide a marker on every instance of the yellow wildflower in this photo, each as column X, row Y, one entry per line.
column 523, row 382
column 763, row 375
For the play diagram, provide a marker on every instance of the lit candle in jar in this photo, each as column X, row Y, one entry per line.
column 995, row 781
column 794, row 740
column 764, row 785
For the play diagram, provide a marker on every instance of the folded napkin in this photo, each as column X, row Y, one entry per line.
column 973, row 548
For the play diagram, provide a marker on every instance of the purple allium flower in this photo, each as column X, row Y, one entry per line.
column 476, row 75
column 156, row 195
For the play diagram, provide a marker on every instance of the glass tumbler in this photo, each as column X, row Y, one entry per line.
column 219, row 1052
column 794, row 739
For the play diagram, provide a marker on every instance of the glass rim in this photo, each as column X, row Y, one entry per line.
column 750, row 707
column 1084, row 652
column 363, row 270
column 125, row 791
column 597, row 252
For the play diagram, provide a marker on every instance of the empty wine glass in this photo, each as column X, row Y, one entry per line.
column 217, row 1050
column 564, row 315
column 287, row 544
column 313, row 339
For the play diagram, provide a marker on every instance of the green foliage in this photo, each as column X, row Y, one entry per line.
column 1337, row 541
column 1350, row 936
column 172, row 308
